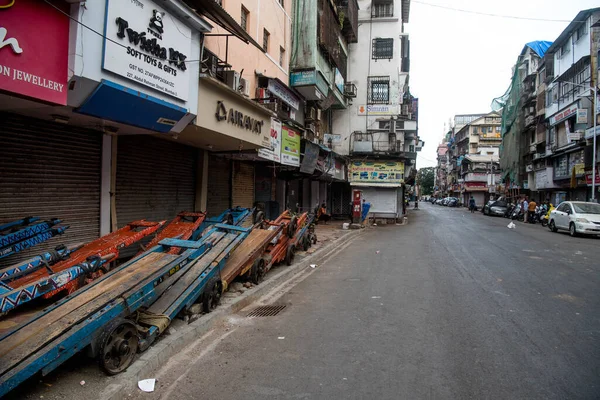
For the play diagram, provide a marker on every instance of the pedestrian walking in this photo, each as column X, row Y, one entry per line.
column 472, row 204
column 531, row 210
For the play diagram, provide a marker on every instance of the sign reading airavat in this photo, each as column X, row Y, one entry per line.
column 238, row 118
column 145, row 44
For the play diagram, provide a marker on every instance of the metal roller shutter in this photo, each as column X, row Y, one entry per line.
column 155, row 179
column 263, row 183
column 243, row 184
column 383, row 201
column 219, row 185
column 50, row 170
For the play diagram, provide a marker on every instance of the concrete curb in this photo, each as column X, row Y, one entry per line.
column 159, row 353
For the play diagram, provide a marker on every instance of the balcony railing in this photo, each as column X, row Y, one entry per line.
column 385, row 144
column 213, row 65
column 276, row 105
column 329, row 33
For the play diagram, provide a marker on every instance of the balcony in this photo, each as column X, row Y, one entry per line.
column 348, row 12
column 213, row 65
column 276, row 105
column 329, row 33
column 530, row 120
column 376, row 143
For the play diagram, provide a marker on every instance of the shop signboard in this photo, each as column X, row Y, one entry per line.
column 147, row 45
column 564, row 114
column 283, row 93
column 377, row 172
column 274, row 151
column 290, row 147
column 582, row 116
column 339, row 81
column 378, row 109
column 34, row 50
column 588, row 177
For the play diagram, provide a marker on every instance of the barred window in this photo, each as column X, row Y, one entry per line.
column 382, row 10
column 379, row 90
column 383, row 49
column 244, row 19
column 266, row 36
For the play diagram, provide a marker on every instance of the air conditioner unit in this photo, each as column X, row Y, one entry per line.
column 409, row 115
column 318, row 114
column 232, row 79
column 311, row 127
column 311, row 113
column 244, row 87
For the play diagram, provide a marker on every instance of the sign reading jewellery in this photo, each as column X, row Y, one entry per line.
column 238, row 118
column 148, row 46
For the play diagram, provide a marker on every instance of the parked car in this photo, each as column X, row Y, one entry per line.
column 578, row 217
column 453, row 202
column 495, row 207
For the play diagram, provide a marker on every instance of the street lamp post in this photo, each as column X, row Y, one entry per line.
column 595, row 106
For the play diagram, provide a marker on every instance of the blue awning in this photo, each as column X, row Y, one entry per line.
column 121, row 104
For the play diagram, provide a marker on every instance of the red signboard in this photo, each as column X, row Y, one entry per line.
column 34, row 48
column 588, row 177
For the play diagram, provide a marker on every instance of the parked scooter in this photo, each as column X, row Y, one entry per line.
column 517, row 213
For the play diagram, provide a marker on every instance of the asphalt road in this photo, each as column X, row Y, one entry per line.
column 452, row 306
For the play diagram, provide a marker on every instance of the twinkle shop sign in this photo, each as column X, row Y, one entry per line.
column 146, row 45
column 237, row 118
column 29, row 65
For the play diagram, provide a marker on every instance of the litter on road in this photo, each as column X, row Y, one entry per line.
column 147, row 385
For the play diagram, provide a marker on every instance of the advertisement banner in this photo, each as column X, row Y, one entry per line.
column 274, row 154
column 311, row 156
column 290, row 147
column 582, row 116
column 564, row 114
column 147, row 45
column 34, row 50
column 377, row 172
column 588, row 177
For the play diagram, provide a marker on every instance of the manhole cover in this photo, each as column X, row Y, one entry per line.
column 266, row 311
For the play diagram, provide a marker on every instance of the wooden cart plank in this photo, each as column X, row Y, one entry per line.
column 247, row 252
column 185, row 280
column 25, row 341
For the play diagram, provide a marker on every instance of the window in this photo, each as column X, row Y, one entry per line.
column 564, row 49
column 532, row 137
column 266, row 35
column 244, row 19
column 379, row 90
column 475, row 129
column 411, row 148
column 490, row 129
column 382, row 10
column 581, row 31
column 383, row 49
column 281, row 56
column 281, row 2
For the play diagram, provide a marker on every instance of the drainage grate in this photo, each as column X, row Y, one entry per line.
column 266, row 311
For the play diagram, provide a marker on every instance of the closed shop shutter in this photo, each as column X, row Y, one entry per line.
column 50, row 170
column 263, row 184
column 342, row 199
column 155, row 179
column 243, row 184
column 219, row 185
column 383, row 201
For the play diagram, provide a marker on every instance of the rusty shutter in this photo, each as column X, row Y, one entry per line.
column 156, row 179
column 219, row 185
column 50, row 170
column 243, row 184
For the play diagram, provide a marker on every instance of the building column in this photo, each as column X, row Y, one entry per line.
column 201, row 181
column 106, row 184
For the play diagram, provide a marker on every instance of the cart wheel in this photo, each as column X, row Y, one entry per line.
column 290, row 254
column 212, row 296
column 118, row 345
column 314, row 239
column 257, row 273
column 293, row 224
column 305, row 243
column 259, row 217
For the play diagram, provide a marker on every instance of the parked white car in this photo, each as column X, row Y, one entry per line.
column 578, row 217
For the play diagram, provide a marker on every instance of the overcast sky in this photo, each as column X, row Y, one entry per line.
column 461, row 61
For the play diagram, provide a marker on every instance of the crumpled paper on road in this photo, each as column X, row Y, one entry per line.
column 511, row 225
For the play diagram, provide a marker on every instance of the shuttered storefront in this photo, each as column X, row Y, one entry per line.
column 156, row 179
column 50, row 170
column 384, row 201
column 243, row 184
column 341, row 199
column 219, row 185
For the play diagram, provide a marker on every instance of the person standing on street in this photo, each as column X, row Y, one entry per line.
column 531, row 210
column 525, row 209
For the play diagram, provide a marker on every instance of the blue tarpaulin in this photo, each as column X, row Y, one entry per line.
column 539, row 46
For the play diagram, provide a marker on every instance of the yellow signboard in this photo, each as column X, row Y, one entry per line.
column 377, row 172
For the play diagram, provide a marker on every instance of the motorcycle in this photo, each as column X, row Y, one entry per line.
column 517, row 213
column 509, row 209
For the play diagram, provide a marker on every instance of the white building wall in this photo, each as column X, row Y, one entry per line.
column 361, row 66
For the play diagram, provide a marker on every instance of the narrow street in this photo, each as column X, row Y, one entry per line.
column 451, row 306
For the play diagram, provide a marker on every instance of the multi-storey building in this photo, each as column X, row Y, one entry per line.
column 379, row 129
